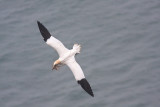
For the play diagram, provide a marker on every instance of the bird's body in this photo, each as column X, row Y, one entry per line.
column 66, row 57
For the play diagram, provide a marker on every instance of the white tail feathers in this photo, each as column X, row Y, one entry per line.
column 77, row 48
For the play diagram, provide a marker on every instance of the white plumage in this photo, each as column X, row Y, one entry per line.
column 75, row 68
column 57, row 45
column 66, row 57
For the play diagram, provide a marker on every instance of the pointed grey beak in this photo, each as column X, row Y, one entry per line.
column 54, row 67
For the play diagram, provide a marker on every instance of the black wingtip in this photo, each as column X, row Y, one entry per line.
column 85, row 85
column 38, row 22
column 44, row 32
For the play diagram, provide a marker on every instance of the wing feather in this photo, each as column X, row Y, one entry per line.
column 75, row 68
column 57, row 45
column 79, row 75
column 52, row 41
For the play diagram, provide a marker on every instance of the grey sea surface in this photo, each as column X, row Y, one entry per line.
column 120, row 53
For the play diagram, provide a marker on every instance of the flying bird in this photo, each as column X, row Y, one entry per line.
column 66, row 57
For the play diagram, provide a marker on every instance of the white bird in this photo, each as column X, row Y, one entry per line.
column 66, row 57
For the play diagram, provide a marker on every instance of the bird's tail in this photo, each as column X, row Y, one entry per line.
column 77, row 48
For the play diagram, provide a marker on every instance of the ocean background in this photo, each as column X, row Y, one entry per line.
column 120, row 53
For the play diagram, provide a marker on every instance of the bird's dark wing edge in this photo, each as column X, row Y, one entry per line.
column 44, row 32
column 85, row 85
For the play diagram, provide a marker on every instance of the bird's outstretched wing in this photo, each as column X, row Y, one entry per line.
column 52, row 41
column 79, row 75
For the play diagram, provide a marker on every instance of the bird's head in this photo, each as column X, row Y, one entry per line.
column 56, row 64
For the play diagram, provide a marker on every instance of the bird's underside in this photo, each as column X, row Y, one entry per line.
column 66, row 57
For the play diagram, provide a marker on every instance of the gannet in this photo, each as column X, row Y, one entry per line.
column 66, row 57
